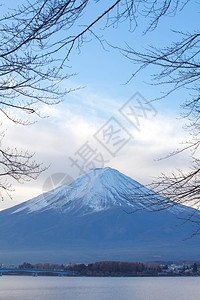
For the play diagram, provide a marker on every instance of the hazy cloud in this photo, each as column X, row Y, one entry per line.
column 70, row 125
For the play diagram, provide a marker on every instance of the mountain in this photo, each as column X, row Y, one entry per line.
column 102, row 215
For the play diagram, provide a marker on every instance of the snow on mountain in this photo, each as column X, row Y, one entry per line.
column 87, row 221
column 97, row 190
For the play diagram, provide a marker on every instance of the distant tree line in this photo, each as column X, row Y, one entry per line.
column 102, row 268
column 118, row 269
column 110, row 268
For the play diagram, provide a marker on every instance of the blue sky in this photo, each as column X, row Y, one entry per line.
column 77, row 120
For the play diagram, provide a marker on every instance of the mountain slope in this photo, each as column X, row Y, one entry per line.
column 88, row 220
column 99, row 189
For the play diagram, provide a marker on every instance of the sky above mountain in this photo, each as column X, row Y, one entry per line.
column 76, row 135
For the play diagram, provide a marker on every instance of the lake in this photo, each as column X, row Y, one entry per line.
column 99, row 288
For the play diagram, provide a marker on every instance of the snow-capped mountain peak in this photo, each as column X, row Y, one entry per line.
column 87, row 220
column 97, row 190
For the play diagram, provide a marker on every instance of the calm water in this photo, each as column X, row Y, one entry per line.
column 96, row 288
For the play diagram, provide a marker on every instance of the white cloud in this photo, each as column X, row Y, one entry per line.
column 140, row 159
column 69, row 126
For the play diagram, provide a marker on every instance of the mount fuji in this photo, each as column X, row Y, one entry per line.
column 93, row 219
